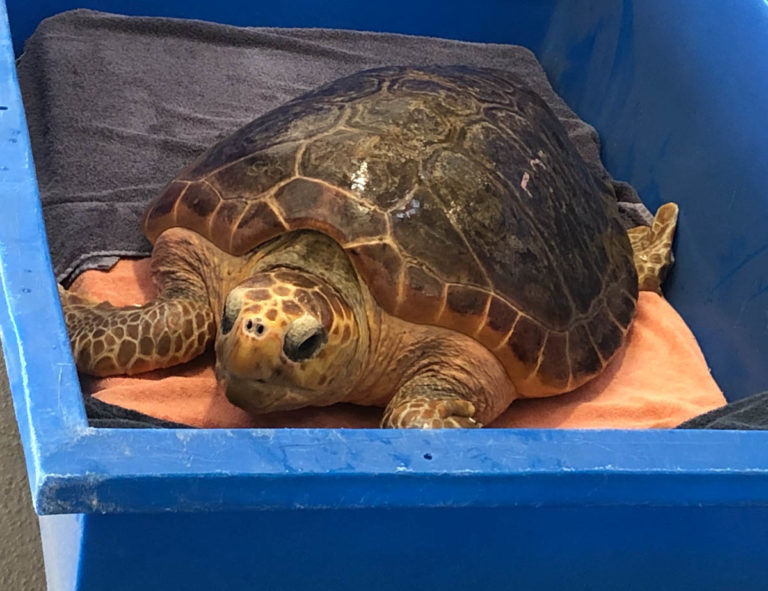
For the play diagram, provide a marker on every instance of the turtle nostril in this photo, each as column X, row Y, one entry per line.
column 255, row 327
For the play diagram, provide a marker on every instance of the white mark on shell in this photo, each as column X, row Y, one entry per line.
column 360, row 178
column 524, row 182
column 411, row 209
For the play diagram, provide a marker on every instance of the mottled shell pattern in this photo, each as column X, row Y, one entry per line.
column 459, row 198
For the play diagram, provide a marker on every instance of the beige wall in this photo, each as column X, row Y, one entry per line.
column 21, row 563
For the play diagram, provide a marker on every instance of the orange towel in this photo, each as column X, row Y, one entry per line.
column 658, row 380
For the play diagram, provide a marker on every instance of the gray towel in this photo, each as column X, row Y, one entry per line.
column 747, row 414
column 117, row 105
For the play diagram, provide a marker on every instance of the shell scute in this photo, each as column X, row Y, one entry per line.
column 361, row 163
column 257, row 173
column 555, row 362
column 605, row 333
column 584, row 359
column 258, row 220
column 293, row 121
column 310, row 204
column 421, row 227
column 426, row 293
column 464, row 308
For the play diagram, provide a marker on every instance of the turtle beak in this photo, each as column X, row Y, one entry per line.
column 250, row 350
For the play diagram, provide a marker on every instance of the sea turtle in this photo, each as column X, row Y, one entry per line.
column 421, row 238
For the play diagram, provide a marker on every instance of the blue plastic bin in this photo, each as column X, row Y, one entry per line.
column 678, row 91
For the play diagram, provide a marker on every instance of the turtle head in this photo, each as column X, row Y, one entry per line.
column 286, row 339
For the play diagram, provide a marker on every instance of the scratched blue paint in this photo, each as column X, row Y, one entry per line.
column 682, row 118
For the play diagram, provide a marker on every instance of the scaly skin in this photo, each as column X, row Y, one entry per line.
column 652, row 248
column 173, row 328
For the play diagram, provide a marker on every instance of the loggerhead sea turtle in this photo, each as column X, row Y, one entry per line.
column 421, row 238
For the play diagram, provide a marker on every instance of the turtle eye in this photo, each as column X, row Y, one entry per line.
column 227, row 321
column 231, row 312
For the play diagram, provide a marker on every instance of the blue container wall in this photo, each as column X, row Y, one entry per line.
column 676, row 90
column 520, row 548
column 523, row 21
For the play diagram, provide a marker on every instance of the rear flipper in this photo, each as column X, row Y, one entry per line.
column 652, row 248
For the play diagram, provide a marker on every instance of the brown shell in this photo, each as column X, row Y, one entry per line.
column 458, row 196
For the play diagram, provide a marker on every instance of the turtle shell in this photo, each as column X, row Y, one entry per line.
column 459, row 198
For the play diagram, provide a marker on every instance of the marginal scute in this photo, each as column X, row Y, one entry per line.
column 555, row 367
column 464, row 308
column 621, row 305
column 200, row 199
column 526, row 341
column 424, row 295
column 158, row 218
column 605, row 334
column 501, row 316
column 583, row 358
column 225, row 220
column 195, row 207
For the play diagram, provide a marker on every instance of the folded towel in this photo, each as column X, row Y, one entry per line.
column 750, row 414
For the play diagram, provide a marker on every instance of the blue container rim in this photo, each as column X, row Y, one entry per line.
column 77, row 469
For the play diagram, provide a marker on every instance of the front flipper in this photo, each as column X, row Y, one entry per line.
column 109, row 340
column 652, row 248
column 422, row 404
column 173, row 328
column 459, row 383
